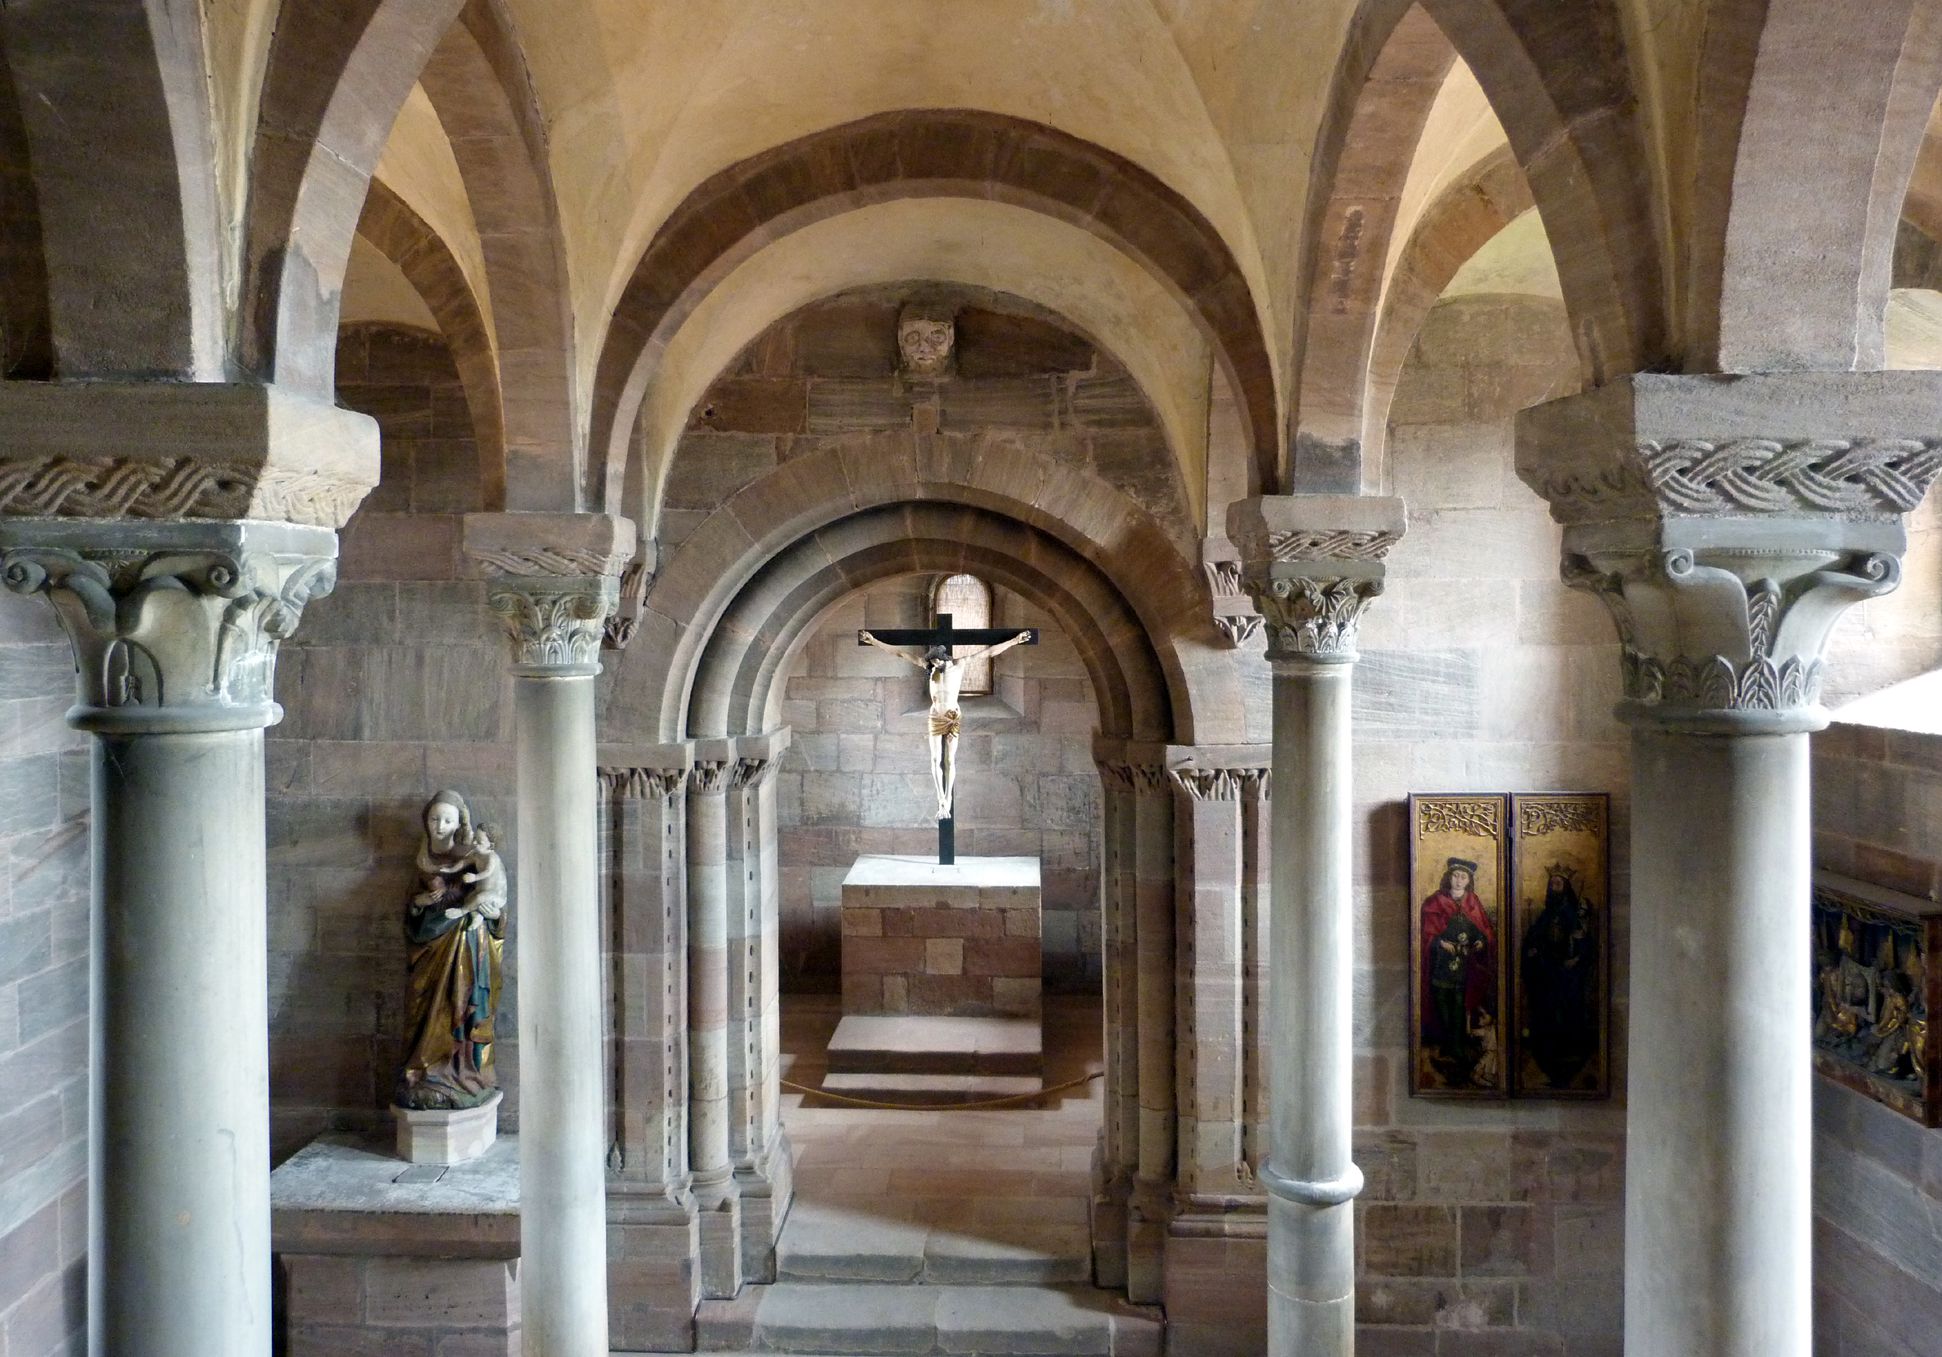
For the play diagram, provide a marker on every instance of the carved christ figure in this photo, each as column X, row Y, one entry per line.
column 946, row 674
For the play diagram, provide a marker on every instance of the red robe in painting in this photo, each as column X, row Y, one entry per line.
column 1480, row 980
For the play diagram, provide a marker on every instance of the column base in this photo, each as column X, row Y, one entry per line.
column 1106, row 1215
column 720, row 1220
column 766, row 1189
column 1147, row 1212
column 653, row 1273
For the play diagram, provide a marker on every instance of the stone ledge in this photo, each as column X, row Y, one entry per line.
column 340, row 1195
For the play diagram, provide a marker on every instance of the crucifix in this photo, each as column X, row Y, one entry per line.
column 945, row 668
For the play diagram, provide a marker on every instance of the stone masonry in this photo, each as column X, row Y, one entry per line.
column 958, row 941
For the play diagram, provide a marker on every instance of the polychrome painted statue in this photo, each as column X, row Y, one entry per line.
column 455, row 927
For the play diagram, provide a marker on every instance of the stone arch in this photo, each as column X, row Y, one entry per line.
column 1074, row 511
column 408, row 241
column 1348, row 236
column 1821, row 211
column 1462, row 220
column 737, row 685
column 26, row 341
column 336, row 77
column 1559, row 82
column 478, row 84
column 111, row 100
column 927, row 153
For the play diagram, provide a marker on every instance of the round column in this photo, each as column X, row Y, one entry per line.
column 554, row 622
column 175, row 628
column 1312, row 565
column 1719, row 1210
column 1311, row 1177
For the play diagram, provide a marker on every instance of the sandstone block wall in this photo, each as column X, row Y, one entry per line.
column 1486, row 1228
column 44, row 885
column 392, row 688
column 1877, row 1175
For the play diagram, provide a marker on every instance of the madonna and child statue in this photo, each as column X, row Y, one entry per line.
column 447, row 1094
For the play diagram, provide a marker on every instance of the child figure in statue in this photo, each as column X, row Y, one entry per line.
column 455, row 926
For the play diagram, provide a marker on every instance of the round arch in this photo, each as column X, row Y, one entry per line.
column 961, row 153
column 1071, row 522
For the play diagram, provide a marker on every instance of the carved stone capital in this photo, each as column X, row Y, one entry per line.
column 175, row 626
column 163, row 451
column 1726, row 637
column 1312, row 564
column 1728, row 522
column 553, row 580
column 751, row 773
column 554, row 622
column 1220, row 784
column 641, row 784
column 711, row 777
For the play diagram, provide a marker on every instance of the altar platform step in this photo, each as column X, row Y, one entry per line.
column 913, row 1044
column 931, row 1090
column 994, row 1242
column 843, row 1319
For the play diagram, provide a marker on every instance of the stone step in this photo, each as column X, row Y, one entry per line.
column 908, row 1044
column 851, row 1319
column 828, row 1242
column 921, row 1089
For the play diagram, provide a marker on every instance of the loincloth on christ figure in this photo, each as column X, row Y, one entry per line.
column 946, row 723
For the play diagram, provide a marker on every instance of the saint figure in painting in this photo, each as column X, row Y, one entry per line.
column 455, row 929
column 1459, row 948
column 1560, row 977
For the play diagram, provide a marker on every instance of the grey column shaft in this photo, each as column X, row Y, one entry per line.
column 1718, row 1207
column 708, row 1150
column 1311, row 1240
column 562, row 1158
column 179, row 1235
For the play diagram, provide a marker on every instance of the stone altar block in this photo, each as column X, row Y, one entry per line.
column 942, row 941
column 942, row 986
column 377, row 1255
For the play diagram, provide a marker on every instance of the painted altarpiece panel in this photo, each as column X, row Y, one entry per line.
column 1561, row 953
column 1459, row 972
column 1875, row 991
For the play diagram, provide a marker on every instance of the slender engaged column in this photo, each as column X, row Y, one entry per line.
column 554, row 584
column 175, row 629
column 1312, row 564
column 716, row 1193
column 1726, row 551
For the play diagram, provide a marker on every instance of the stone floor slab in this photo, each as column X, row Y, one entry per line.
column 847, row 1319
column 823, row 1242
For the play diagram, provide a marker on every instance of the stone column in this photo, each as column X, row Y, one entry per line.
column 178, row 532
column 717, row 1195
column 1312, row 564
column 1118, row 1150
column 757, row 1146
column 652, row 1238
column 553, row 581
column 1727, row 523
column 1150, row 1205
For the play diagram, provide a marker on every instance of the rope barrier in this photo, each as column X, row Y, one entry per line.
column 944, row 1107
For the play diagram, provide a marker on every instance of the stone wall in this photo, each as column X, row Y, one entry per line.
column 856, row 779
column 43, row 990
column 1486, row 1228
column 1877, row 1175
column 391, row 689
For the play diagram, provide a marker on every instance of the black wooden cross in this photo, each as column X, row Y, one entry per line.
column 944, row 634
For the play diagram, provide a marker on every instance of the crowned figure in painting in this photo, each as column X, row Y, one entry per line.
column 455, row 928
column 1560, row 976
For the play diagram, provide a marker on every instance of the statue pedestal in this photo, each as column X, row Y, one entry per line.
column 381, row 1257
column 444, row 1136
